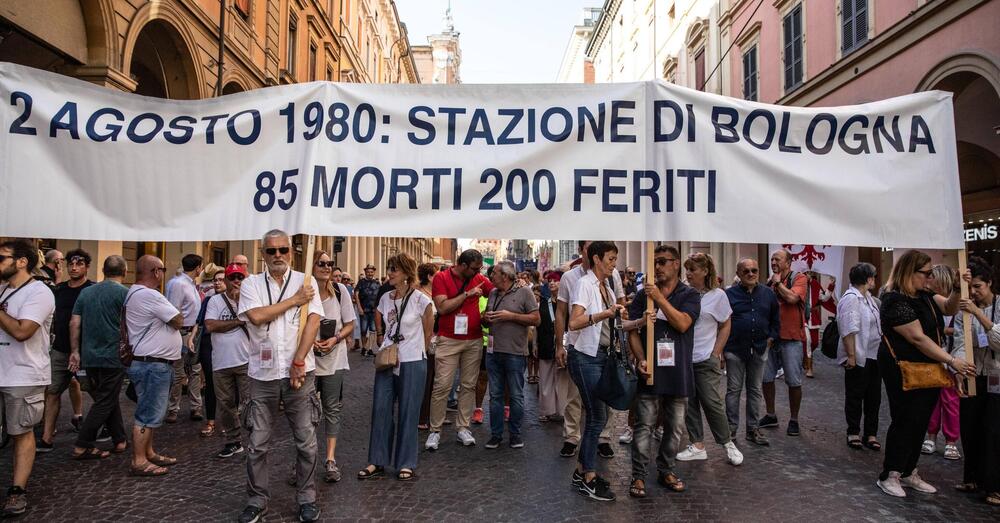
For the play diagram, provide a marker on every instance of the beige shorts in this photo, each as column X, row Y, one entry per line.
column 23, row 408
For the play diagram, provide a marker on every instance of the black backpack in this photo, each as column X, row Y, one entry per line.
column 831, row 339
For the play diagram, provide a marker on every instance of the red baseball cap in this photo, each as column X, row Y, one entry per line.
column 234, row 268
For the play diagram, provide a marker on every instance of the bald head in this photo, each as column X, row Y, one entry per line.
column 146, row 265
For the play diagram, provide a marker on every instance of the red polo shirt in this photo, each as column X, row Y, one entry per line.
column 446, row 283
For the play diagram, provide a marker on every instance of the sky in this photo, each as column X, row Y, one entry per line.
column 509, row 41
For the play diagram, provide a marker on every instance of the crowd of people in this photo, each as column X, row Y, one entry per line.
column 250, row 347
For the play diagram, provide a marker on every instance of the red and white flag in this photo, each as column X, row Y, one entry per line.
column 824, row 259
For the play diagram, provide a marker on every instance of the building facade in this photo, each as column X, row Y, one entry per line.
column 440, row 61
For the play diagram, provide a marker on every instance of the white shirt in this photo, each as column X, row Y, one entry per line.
column 182, row 293
column 147, row 313
column 283, row 331
column 858, row 315
column 567, row 289
column 26, row 363
column 343, row 311
column 588, row 296
column 984, row 355
column 231, row 348
column 715, row 309
column 411, row 345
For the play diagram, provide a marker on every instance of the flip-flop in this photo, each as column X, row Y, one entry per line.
column 150, row 470
column 208, row 431
column 967, row 487
column 91, row 453
column 873, row 444
column 854, row 442
column 119, row 450
column 636, row 491
column 162, row 461
column 406, row 475
column 993, row 499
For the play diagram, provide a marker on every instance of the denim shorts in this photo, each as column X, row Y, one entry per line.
column 367, row 322
column 152, row 386
column 788, row 355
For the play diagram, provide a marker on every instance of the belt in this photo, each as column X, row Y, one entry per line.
column 186, row 330
column 151, row 359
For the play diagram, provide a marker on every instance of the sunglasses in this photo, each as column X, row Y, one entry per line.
column 324, row 264
column 5, row 257
column 235, row 277
column 928, row 274
column 164, row 269
column 271, row 251
column 750, row 271
column 391, row 268
column 664, row 261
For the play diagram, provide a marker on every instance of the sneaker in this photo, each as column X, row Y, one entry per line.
column 568, row 450
column 891, row 485
column 692, row 453
column 251, row 514
column 104, row 435
column 780, row 374
column 433, row 439
column 16, row 502
column 309, row 512
column 332, row 472
column 915, row 482
column 452, row 405
column 658, row 433
column 42, row 448
column 494, row 442
column 76, row 421
column 465, row 438
column 171, row 418
column 477, row 417
column 733, row 454
column 516, row 442
column 506, row 413
column 951, row 452
column 929, row 447
column 196, row 415
column 626, row 437
column 598, row 489
column 793, row 428
column 755, row 436
column 577, row 479
column 768, row 421
column 230, row 450
column 604, row 450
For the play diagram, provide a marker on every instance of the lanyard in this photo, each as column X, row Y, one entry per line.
column 11, row 295
column 496, row 305
column 399, row 315
column 281, row 295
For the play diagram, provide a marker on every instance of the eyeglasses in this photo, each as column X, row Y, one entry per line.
column 157, row 269
column 324, row 264
column 235, row 277
column 391, row 268
column 750, row 271
column 664, row 261
column 928, row 273
column 4, row 257
column 271, row 251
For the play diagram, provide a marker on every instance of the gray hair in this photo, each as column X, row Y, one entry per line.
column 273, row 233
column 114, row 266
column 508, row 269
column 742, row 263
column 52, row 255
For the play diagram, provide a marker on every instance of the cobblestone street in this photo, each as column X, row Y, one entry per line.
column 814, row 477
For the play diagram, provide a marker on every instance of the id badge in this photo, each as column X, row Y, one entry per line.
column 266, row 354
column 993, row 382
column 983, row 341
column 461, row 324
column 665, row 353
column 489, row 344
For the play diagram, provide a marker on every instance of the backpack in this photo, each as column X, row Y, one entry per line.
column 831, row 339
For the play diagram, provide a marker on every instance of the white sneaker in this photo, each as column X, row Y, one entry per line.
column 692, row 453
column 465, row 438
column 733, row 454
column 433, row 439
column 626, row 437
column 951, row 452
column 891, row 485
column 928, row 447
column 914, row 482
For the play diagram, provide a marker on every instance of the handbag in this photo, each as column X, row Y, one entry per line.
column 619, row 381
column 388, row 357
column 126, row 350
column 919, row 375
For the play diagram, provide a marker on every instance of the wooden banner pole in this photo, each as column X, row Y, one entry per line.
column 967, row 319
column 308, row 269
column 650, row 341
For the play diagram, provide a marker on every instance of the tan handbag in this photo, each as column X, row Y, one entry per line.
column 388, row 357
column 919, row 375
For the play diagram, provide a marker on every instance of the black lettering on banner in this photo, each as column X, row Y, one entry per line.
column 638, row 191
column 264, row 190
column 67, row 111
column 783, row 136
column 516, row 115
column 424, row 125
column 338, row 114
column 579, row 189
column 725, row 132
column 367, row 112
column 479, row 128
column 376, row 198
column 457, row 189
column 265, row 197
column 769, row 130
column 658, row 134
column 618, row 120
column 396, row 187
column 486, row 204
column 210, row 128
column 176, row 125
column 567, row 124
column 452, row 112
column 17, row 126
column 596, row 126
column 135, row 137
column 691, row 175
column 860, row 138
column 920, row 134
column 328, row 192
column 235, row 136
column 879, row 132
column 288, row 187
column 517, row 178
column 113, row 129
column 810, row 131
column 312, row 117
column 289, row 113
column 436, row 175
column 607, row 190
column 536, row 188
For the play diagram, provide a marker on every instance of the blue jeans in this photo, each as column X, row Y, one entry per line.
column 506, row 371
column 408, row 390
column 367, row 321
column 585, row 371
column 152, row 388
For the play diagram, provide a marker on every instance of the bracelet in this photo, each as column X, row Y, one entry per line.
column 590, row 319
column 298, row 363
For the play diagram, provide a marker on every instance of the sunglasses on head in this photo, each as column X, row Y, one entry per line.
column 324, row 264
column 271, row 251
column 235, row 277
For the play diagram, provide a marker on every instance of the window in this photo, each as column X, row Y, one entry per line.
column 243, row 8
column 312, row 62
column 292, row 39
column 854, row 22
column 750, row 74
column 699, row 70
column 792, row 30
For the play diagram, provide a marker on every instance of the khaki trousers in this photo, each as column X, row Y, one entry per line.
column 451, row 355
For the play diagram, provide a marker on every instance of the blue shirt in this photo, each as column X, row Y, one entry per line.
column 755, row 319
column 677, row 380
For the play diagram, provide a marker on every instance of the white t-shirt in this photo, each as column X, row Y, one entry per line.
column 567, row 290
column 147, row 313
column 283, row 331
column 343, row 311
column 26, row 363
column 588, row 296
column 411, row 345
column 715, row 309
column 231, row 348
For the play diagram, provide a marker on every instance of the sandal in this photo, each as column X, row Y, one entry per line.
column 162, row 461
column 405, row 475
column 423, row 426
column 854, row 441
column 208, row 431
column 149, row 470
column 371, row 472
column 91, row 453
column 968, row 488
column 120, row 449
column 672, row 482
column 873, row 444
column 638, row 489
column 993, row 499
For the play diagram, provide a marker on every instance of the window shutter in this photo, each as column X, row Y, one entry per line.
column 847, row 22
column 788, row 55
column 860, row 22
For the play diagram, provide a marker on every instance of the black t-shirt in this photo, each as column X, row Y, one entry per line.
column 900, row 309
column 677, row 380
column 65, row 300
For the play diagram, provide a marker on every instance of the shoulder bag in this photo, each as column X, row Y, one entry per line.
column 126, row 350
column 619, row 382
column 919, row 375
column 388, row 357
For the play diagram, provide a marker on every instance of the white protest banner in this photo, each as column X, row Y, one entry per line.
column 633, row 161
column 823, row 259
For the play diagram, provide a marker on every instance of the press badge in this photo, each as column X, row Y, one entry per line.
column 983, row 340
column 993, row 382
column 266, row 355
column 461, row 324
column 665, row 353
column 489, row 344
